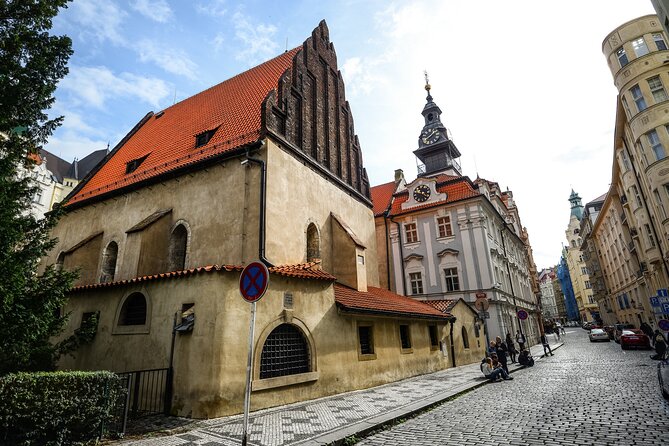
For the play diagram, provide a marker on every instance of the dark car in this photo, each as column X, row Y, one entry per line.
column 617, row 331
column 634, row 338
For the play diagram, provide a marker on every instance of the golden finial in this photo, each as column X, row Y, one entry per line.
column 427, row 82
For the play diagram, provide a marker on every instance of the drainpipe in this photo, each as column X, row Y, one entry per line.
column 387, row 237
column 263, row 203
column 399, row 234
column 452, row 321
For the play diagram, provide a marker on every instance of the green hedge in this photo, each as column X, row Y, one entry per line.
column 56, row 408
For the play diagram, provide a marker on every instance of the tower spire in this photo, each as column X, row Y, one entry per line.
column 427, row 86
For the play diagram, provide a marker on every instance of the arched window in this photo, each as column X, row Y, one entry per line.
column 465, row 338
column 109, row 263
column 133, row 311
column 313, row 243
column 177, row 253
column 286, row 352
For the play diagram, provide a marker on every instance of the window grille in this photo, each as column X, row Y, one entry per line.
column 404, row 336
column 134, row 310
column 285, row 353
column 366, row 340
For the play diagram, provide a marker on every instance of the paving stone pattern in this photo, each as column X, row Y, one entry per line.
column 587, row 394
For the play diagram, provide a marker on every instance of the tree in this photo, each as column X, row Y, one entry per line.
column 32, row 61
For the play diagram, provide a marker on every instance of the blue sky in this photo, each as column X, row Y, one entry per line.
column 523, row 85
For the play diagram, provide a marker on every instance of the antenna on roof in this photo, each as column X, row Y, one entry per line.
column 286, row 44
column 107, row 146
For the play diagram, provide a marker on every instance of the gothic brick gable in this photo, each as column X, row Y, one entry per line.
column 309, row 112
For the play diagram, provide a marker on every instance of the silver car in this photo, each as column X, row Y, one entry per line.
column 597, row 334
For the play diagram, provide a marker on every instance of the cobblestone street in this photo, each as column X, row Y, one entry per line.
column 587, row 394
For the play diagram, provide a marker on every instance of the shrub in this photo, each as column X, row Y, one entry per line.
column 56, row 408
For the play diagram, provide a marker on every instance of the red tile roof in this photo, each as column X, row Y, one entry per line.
column 299, row 271
column 382, row 301
column 167, row 139
column 445, row 306
column 456, row 188
column 381, row 196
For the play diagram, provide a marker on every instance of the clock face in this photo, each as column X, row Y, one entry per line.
column 430, row 136
column 421, row 193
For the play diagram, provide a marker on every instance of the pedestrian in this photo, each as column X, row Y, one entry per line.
column 556, row 330
column 660, row 345
column 494, row 373
column 525, row 359
column 512, row 348
column 648, row 330
column 546, row 345
column 492, row 349
column 502, row 350
column 520, row 339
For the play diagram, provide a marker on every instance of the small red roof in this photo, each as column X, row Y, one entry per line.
column 381, row 196
column 445, row 306
column 299, row 271
column 382, row 301
column 167, row 139
column 456, row 189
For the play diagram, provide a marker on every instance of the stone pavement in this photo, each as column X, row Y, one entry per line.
column 326, row 420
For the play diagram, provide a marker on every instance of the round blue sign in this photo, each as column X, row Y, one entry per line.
column 522, row 315
column 663, row 324
column 253, row 281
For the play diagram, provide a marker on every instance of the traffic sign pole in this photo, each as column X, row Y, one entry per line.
column 249, row 363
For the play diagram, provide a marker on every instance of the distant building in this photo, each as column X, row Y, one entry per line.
column 549, row 308
column 590, row 255
column 442, row 236
column 572, row 310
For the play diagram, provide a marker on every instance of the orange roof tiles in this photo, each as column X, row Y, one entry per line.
column 382, row 301
column 381, row 196
column 456, row 190
column 445, row 306
column 299, row 271
column 167, row 139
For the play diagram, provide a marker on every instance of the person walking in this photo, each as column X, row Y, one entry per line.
column 511, row 347
column 648, row 330
column 501, row 353
column 660, row 345
column 556, row 330
column 546, row 345
column 520, row 340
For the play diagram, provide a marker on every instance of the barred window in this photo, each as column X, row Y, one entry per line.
column 434, row 335
column 109, row 263
column 405, row 337
column 465, row 338
column 133, row 311
column 366, row 340
column 286, row 352
column 444, row 226
column 411, row 232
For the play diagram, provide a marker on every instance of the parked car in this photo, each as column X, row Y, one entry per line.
column 609, row 329
column 597, row 334
column 619, row 329
column 634, row 338
column 586, row 325
column 663, row 377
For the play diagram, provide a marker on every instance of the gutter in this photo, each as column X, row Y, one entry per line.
column 399, row 234
column 263, row 205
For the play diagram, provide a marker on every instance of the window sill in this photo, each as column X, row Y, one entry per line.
column 282, row 381
column 406, row 351
column 366, row 357
column 130, row 329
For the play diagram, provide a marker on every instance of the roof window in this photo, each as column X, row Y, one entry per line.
column 204, row 137
column 131, row 166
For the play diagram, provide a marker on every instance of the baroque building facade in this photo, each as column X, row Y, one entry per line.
column 443, row 236
column 549, row 306
column 266, row 167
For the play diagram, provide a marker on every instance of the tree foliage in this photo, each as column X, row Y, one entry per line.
column 32, row 62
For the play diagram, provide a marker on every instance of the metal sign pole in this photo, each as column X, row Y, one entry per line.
column 249, row 362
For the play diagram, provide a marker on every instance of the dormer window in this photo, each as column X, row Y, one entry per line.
column 131, row 166
column 204, row 137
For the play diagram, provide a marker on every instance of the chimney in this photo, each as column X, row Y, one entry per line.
column 399, row 175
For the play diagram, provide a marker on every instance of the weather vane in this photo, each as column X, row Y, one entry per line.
column 427, row 81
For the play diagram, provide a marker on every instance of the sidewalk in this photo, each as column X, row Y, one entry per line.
column 327, row 420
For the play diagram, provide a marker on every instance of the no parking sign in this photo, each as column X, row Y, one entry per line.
column 663, row 324
column 522, row 315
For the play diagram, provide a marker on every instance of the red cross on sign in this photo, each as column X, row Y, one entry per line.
column 253, row 281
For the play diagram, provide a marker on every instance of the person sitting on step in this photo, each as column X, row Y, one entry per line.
column 493, row 373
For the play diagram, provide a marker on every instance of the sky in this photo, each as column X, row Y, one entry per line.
column 523, row 85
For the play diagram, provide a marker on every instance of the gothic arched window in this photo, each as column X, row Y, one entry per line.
column 178, row 244
column 313, row 243
column 465, row 338
column 133, row 311
column 109, row 263
column 286, row 352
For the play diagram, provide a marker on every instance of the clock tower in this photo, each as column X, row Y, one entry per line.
column 436, row 152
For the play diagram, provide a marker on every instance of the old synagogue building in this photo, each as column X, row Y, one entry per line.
column 263, row 166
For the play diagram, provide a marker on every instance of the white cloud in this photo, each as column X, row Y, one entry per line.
column 169, row 59
column 256, row 38
column 95, row 85
column 69, row 145
column 214, row 8
column 157, row 10
column 102, row 19
column 218, row 41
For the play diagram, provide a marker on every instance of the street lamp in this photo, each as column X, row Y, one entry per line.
column 508, row 271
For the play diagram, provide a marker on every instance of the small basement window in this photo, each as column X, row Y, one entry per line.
column 131, row 166
column 204, row 137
